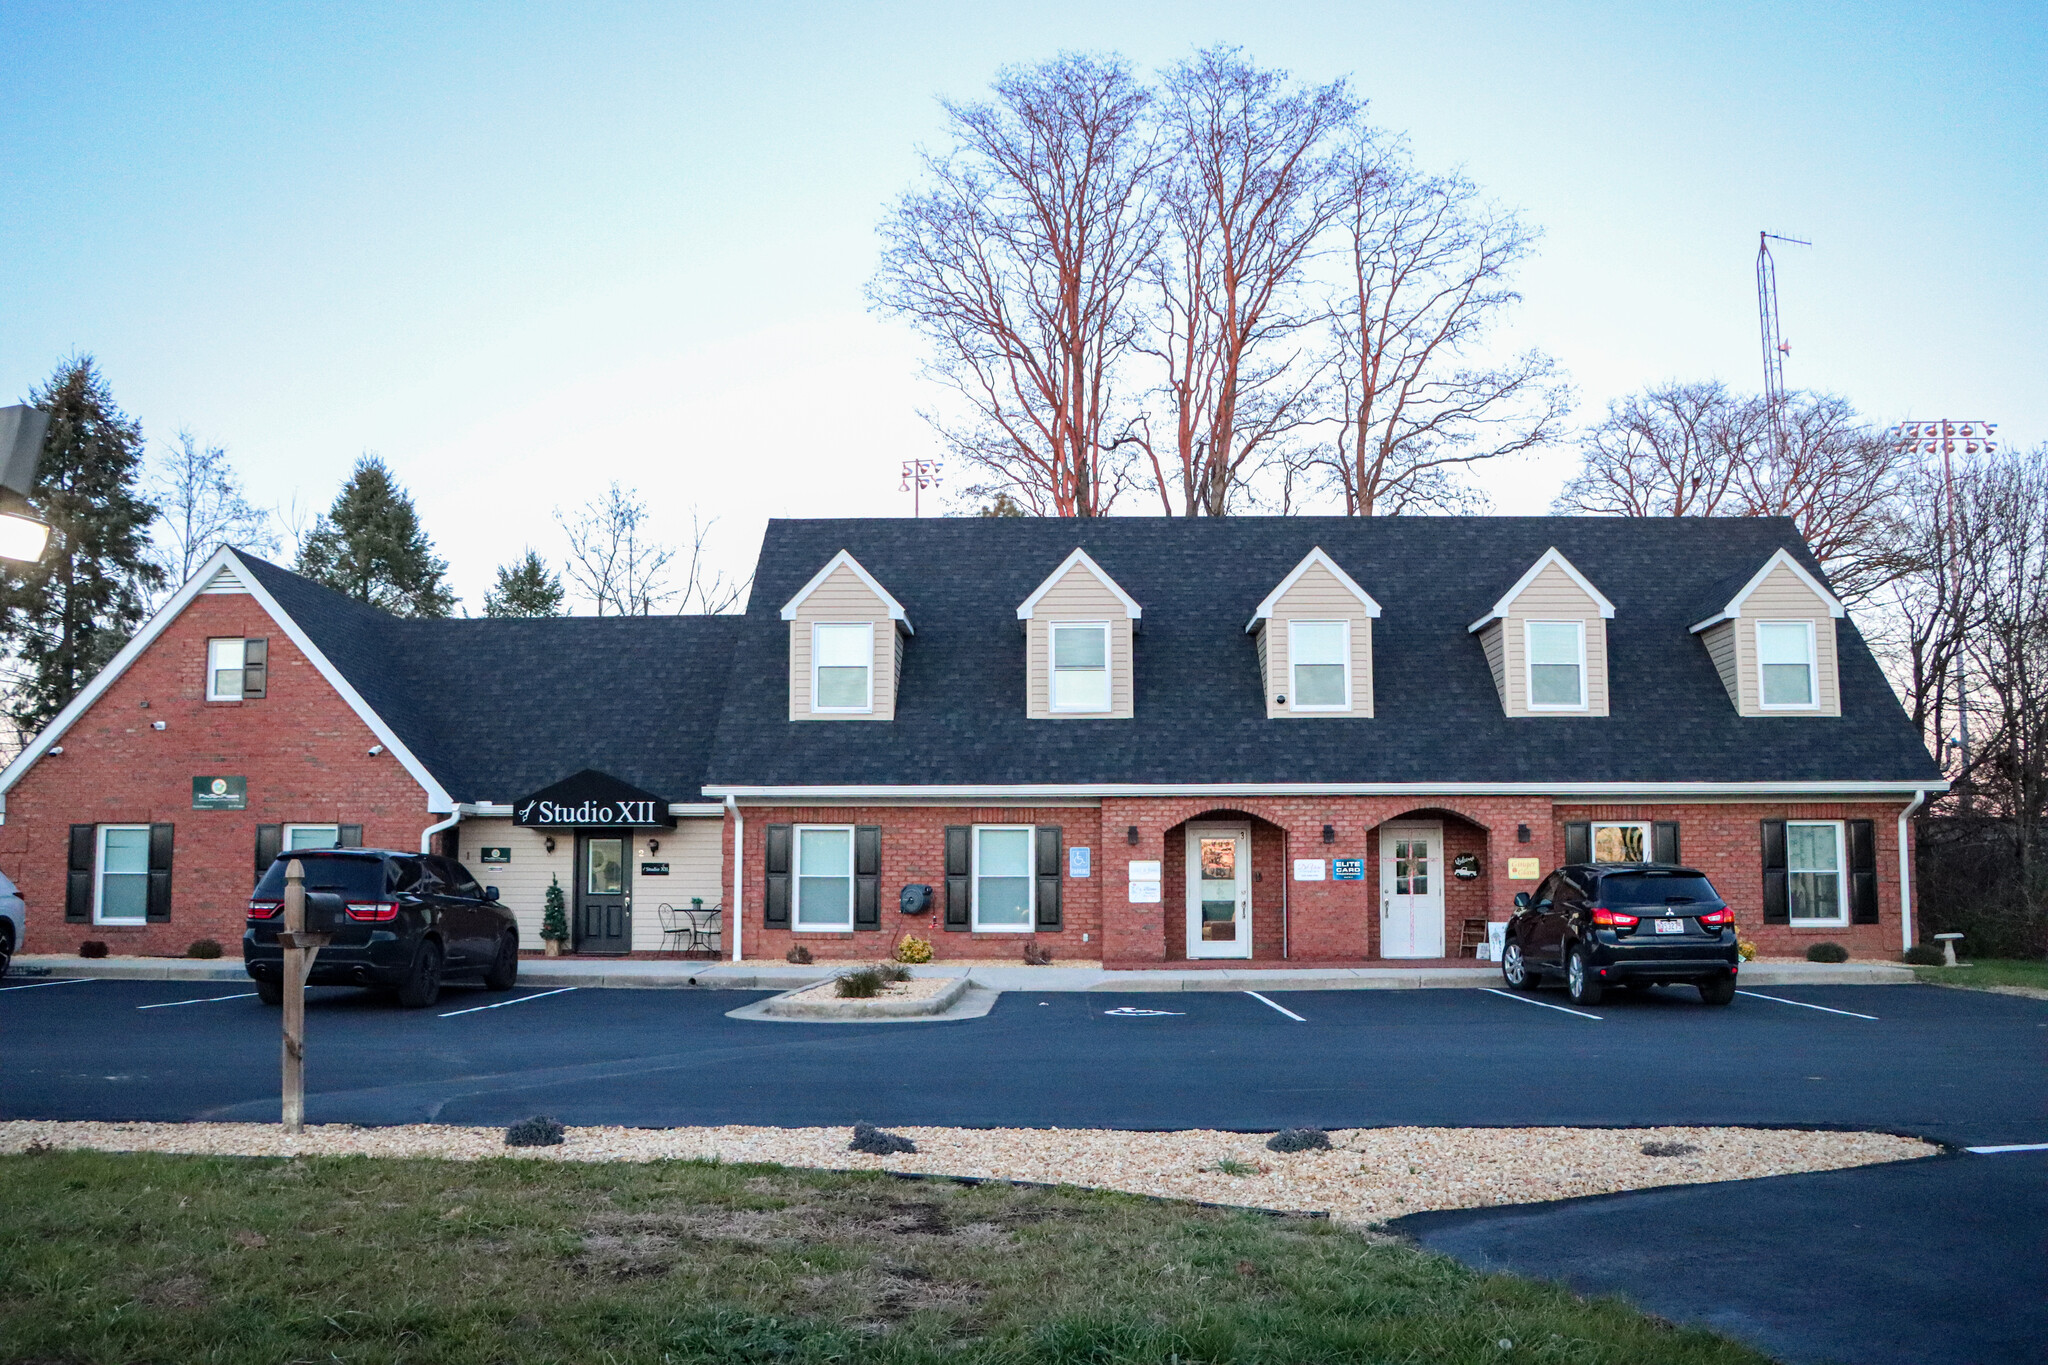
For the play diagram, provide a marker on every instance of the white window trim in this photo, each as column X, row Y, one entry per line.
column 99, row 877
column 1585, row 702
column 1030, row 924
column 242, row 668
column 1812, row 668
column 1842, row 878
column 1052, row 653
column 1649, row 837
column 796, row 880
column 289, row 828
column 866, row 707
column 1293, row 687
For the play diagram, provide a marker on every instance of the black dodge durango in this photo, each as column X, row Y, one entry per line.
column 1623, row 924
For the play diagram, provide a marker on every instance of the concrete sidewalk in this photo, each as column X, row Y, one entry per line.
column 652, row 973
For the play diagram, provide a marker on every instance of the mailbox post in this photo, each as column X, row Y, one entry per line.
column 300, row 948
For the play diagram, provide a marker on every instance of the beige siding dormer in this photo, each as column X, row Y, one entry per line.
column 1316, row 606
column 1079, row 608
column 1549, row 627
column 844, row 617
column 1783, row 616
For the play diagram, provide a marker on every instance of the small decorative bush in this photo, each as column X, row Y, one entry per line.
column 864, row 984
column 914, row 950
column 872, row 1140
column 1924, row 955
column 1230, row 1165
column 538, row 1131
column 554, row 915
column 1826, row 952
column 1035, row 956
column 798, row 954
column 892, row 971
column 1669, row 1149
column 92, row 947
column 1746, row 950
column 1299, row 1140
column 203, row 947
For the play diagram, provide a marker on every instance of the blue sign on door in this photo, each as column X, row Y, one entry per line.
column 1348, row 869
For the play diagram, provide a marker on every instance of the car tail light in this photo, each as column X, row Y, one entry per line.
column 264, row 909
column 373, row 910
column 1718, row 917
column 1614, row 918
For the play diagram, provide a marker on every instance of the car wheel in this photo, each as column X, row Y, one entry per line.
column 505, row 966
column 1514, row 968
column 270, row 992
column 1579, row 981
column 1720, row 991
column 422, row 985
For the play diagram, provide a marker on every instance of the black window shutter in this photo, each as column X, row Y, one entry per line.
column 1578, row 842
column 351, row 836
column 255, row 667
column 1862, row 872
column 775, row 864
column 78, row 881
column 1777, row 892
column 1664, row 842
column 1048, row 876
column 159, row 873
column 269, row 843
column 867, row 876
column 957, row 889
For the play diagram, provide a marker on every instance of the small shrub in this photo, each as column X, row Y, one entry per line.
column 1746, row 949
column 1230, row 1165
column 892, row 971
column 203, row 948
column 1924, row 955
column 92, row 947
column 1299, row 1140
column 799, row 954
column 914, row 950
column 872, row 1140
column 864, row 984
column 1669, row 1149
column 1826, row 952
column 538, row 1131
column 1035, row 956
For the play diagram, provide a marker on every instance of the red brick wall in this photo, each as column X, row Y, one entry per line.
column 301, row 748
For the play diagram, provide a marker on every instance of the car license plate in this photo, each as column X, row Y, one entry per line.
column 1670, row 926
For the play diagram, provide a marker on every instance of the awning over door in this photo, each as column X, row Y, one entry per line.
column 594, row 798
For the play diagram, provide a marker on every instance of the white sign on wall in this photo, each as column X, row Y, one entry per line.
column 1308, row 869
column 1145, row 878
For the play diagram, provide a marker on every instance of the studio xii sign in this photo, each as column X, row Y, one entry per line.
column 592, row 799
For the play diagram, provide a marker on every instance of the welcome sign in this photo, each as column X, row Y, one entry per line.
column 593, row 800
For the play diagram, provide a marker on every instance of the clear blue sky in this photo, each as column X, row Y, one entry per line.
column 522, row 249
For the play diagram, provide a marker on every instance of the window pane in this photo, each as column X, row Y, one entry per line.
column 1787, row 685
column 1319, row 685
column 606, row 875
column 842, row 687
column 1781, row 642
column 824, row 890
column 841, row 646
column 1318, row 642
column 124, row 875
column 223, row 668
column 1816, row 895
column 1080, row 647
column 1080, row 689
column 1618, row 844
column 1005, row 852
column 1812, row 848
column 312, row 836
column 1554, row 642
column 1554, row 685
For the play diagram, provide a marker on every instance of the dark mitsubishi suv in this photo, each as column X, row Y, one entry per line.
column 401, row 921
column 1623, row 924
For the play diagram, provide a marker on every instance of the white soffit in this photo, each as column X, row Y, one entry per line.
column 845, row 559
column 1549, row 557
column 1264, row 612
column 1779, row 558
column 1080, row 558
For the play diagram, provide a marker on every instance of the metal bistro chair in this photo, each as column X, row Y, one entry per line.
column 705, row 925
column 675, row 929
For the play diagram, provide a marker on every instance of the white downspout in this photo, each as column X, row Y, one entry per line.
column 1906, row 869
column 739, row 858
column 427, row 834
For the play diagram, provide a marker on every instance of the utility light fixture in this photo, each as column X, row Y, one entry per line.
column 22, row 429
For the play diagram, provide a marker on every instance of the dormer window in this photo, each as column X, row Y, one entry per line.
column 842, row 666
column 1080, row 666
column 1319, row 653
column 1557, row 665
column 1080, row 633
column 1545, row 641
column 1313, row 634
column 846, row 635
column 1785, row 659
column 1772, row 639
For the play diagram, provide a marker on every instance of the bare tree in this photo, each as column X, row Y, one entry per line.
column 708, row 590
column 1923, row 619
column 200, row 508
column 1427, row 280
column 1016, row 263
column 614, row 560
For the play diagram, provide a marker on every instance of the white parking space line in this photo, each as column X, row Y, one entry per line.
column 1282, row 1008
column 2011, row 1147
column 38, row 985
column 559, row 990
column 1540, row 1004
column 202, row 1000
column 1803, row 1005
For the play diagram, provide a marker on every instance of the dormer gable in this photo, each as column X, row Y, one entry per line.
column 1545, row 640
column 846, row 635
column 1773, row 642
column 1079, row 629
column 1314, row 638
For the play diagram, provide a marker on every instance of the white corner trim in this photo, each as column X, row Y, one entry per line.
column 1264, row 611
column 1080, row 557
column 1549, row 557
column 1781, row 557
column 845, row 559
column 438, row 800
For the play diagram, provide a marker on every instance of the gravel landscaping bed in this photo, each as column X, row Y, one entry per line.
column 1367, row 1176
column 917, row 988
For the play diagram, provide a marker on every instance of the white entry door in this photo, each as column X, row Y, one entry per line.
column 1219, row 891
column 1412, row 890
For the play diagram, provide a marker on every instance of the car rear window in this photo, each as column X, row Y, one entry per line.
column 1657, row 888
column 356, row 878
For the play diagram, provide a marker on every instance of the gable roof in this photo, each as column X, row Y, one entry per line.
column 1549, row 557
column 1264, row 611
column 833, row 565
column 1078, row 557
column 1728, row 607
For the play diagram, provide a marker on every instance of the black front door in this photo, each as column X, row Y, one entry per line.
column 604, row 894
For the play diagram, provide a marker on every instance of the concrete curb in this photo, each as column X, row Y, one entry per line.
column 786, row 1006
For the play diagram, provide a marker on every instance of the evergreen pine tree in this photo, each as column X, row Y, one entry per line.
column 525, row 588
column 370, row 546
column 554, row 920
column 66, row 616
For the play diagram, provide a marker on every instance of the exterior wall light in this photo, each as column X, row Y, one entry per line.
column 654, row 845
column 1132, row 835
column 1521, row 834
column 375, row 749
column 1329, row 834
column 157, row 725
column 22, row 429
column 551, row 843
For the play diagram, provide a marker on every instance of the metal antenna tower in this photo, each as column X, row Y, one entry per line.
column 1776, row 348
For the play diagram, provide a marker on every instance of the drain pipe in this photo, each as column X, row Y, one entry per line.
column 739, row 858
column 1285, row 867
column 1906, row 868
column 427, row 834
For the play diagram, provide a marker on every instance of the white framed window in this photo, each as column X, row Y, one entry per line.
column 1786, row 667
column 1319, row 656
column 824, row 879
column 1005, row 891
column 224, row 659
column 311, row 836
column 1622, row 841
column 121, row 886
column 1080, row 665
column 1556, row 653
column 842, row 666
column 1816, row 889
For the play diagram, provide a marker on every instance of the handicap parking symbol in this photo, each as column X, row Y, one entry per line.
column 1133, row 1012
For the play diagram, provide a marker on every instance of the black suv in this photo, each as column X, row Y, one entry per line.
column 1623, row 924
column 400, row 921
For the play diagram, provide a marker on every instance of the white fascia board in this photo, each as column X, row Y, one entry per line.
column 1780, row 557
column 1549, row 557
column 438, row 800
column 1080, row 557
column 1264, row 612
column 845, row 558
column 1555, row 789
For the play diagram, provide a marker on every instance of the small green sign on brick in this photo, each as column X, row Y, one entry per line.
column 220, row 793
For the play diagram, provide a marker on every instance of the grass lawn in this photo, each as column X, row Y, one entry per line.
column 117, row 1258
column 1990, row 972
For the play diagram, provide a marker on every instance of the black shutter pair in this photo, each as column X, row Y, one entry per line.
column 867, row 877
column 255, row 668
column 959, row 874
column 1862, row 873
column 1578, row 841
column 83, row 865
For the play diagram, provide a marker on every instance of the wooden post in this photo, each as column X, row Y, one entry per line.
column 300, row 948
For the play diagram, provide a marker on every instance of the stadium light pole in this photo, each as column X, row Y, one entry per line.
column 22, row 536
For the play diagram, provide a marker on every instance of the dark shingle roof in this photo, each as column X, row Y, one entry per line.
column 1200, row 716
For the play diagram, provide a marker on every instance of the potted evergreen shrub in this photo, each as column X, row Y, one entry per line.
column 554, row 920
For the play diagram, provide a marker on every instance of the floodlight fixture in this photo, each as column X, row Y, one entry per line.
column 22, row 429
